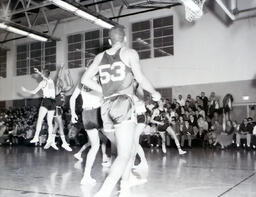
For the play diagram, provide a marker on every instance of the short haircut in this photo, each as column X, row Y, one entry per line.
column 46, row 73
column 116, row 34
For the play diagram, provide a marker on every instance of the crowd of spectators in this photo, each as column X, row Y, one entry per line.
column 203, row 121
column 17, row 127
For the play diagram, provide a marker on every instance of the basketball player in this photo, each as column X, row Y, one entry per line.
column 140, row 110
column 47, row 105
column 92, row 121
column 118, row 66
column 159, row 117
column 63, row 85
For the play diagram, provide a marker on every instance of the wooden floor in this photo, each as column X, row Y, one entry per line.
column 35, row 172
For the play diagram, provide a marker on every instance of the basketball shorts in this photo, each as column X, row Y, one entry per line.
column 49, row 104
column 92, row 119
column 162, row 128
column 116, row 110
column 141, row 118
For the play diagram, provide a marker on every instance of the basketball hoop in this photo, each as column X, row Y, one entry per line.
column 193, row 9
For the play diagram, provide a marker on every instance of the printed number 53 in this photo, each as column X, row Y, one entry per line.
column 106, row 74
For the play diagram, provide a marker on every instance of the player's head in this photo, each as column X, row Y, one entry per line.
column 46, row 73
column 116, row 34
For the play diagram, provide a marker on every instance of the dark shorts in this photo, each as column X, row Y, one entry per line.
column 92, row 119
column 163, row 128
column 116, row 110
column 49, row 104
column 141, row 118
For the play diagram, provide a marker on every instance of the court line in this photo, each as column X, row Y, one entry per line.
column 33, row 192
column 206, row 167
column 245, row 179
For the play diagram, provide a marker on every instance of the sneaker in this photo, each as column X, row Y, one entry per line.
column 164, row 149
column 88, row 181
column 47, row 145
column 181, row 152
column 54, row 146
column 34, row 140
column 66, row 147
column 78, row 156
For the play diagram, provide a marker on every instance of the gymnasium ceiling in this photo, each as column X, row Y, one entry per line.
column 31, row 13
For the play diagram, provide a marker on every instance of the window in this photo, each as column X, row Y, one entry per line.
column 22, row 60
column 83, row 47
column 75, row 51
column 36, row 55
column 3, row 59
column 92, row 44
column 50, row 56
column 153, row 38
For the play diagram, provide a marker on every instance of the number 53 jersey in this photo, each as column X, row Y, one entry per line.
column 115, row 76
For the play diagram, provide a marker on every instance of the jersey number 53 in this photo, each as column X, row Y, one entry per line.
column 112, row 72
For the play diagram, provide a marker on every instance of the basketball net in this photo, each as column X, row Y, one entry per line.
column 193, row 9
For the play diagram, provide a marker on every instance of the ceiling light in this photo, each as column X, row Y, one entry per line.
column 104, row 24
column 85, row 15
column 17, row 31
column 64, row 5
column 3, row 26
column 37, row 37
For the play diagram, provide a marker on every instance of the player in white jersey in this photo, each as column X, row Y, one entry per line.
column 63, row 84
column 47, row 105
column 92, row 122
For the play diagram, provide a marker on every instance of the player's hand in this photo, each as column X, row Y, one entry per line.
column 74, row 118
column 36, row 70
column 156, row 96
column 23, row 89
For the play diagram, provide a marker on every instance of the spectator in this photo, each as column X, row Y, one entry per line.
column 181, row 101
column 205, row 102
column 243, row 134
column 187, row 133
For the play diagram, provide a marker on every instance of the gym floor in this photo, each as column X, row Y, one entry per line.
column 35, row 172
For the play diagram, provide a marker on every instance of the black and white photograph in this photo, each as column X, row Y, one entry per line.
column 127, row 98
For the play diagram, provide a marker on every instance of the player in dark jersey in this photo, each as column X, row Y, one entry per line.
column 161, row 119
column 47, row 105
column 118, row 66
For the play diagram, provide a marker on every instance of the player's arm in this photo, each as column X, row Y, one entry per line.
column 134, row 62
column 39, row 87
column 72, row 103
column 87, row 78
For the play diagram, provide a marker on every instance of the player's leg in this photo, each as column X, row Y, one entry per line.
column 163, row 138
column 78, row 155
column 125, row 140
column 64, row 145
column 41, row 114
column 171, row 132
column 50, row 116
column 138, row 149
column 55, row 128
column 95, row 144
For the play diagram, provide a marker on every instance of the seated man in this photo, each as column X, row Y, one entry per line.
column 244, row 133
column 187, row 133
